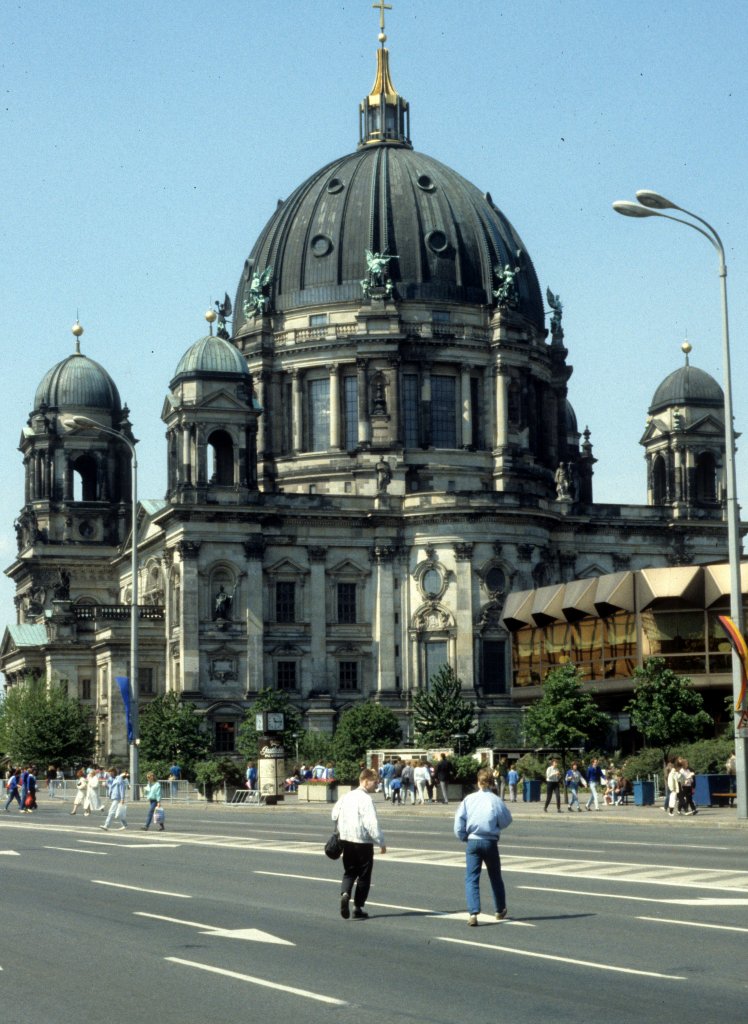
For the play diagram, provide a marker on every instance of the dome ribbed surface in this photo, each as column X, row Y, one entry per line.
column 446, row 234
column 212, row 355
column 78, row 382
column 687, row 385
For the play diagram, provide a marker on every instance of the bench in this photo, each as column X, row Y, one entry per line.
column 726, row 796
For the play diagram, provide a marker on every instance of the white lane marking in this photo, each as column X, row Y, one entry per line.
column 74, row 849
column 262, row 982
column 562, row 959
column 681, row 846
column 704, row 901
column 9, row 853
column 139, row 888
column 131, row 846
column 694, row 924
column 248, row 934
column 427, row 912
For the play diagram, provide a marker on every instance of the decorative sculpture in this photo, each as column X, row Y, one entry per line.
column 506, row 294
column 224, row 310
column 223, row 604
column 257, row 300
column 565, row 484
column 384, row 476
column 376, row 265
column 554, row 301
column 61, row 589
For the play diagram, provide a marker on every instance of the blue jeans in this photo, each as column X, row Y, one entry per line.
column 478, row 853
column 151, row 809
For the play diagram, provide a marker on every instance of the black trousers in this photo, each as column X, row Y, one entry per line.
column 358, row 862
column 551, row 788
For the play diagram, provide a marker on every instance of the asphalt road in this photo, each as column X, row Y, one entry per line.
column 232, row 914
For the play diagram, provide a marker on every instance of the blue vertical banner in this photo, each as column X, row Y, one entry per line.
column 124, row 688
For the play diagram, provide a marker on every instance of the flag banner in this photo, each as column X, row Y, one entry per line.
column 737, row 641
column 124, row 688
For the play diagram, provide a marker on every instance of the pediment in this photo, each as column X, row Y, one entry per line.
column 286, row 567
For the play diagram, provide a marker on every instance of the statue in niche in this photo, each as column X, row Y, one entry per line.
column 554, row 301
column 564, row 482
column 61, row 589
column 384, row 476
column 506, row 295
column 257, row 299
column 379, row 400
column 223, row 604
column 376, row 266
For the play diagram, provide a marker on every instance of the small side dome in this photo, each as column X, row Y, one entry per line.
column 571, row 419
column 687, row 385
column 80, row 383
column 212, row 355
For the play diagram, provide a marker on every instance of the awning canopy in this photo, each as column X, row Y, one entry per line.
column 615, row 593
column 548, row 604
column 717, row 582
column 517, row 610
column 579, row 599
column 681, row 583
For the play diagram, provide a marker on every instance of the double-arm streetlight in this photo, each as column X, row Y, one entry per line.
column 651, row 204
column 85, row 423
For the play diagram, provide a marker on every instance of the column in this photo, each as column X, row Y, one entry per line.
column 334, row 371
column 262, row 381
column 189, row 616
column 425, row 424
column 466, row 412
column 363, row 403
column 186, row 474
column 464, row 615
column 297, row 382
column 501, row 434
column 383, row 640
column 394, row 406
column 254, row 549
column 318, row 616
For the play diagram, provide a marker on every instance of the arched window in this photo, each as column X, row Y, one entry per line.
column 84, row 479
column 706, row 478
column 659, row 481
column 220, row 458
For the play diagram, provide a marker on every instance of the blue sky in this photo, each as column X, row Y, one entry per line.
column 144, row 145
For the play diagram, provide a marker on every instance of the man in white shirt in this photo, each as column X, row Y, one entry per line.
column 359, row 830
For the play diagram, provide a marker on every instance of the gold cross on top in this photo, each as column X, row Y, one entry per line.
column 382, row 8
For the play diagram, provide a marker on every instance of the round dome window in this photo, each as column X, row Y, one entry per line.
column 321, row 245
column 437, row 242
column 425, row 182
column 335, row 185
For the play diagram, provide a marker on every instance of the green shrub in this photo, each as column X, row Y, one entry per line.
column 530, row 767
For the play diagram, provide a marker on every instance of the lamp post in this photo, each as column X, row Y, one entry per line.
column 651, row 204
column 83, row 422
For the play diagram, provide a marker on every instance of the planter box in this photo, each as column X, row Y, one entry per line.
column 323, row 794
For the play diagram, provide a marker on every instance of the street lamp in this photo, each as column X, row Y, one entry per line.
column 83, row 422
column 651, row 204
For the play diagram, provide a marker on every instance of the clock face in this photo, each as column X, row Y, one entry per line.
column 275, row 721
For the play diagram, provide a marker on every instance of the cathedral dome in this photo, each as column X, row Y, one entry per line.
column 78, row 383
column 446, row 240
column 687, row 385
column 212, row 355
column 446, row 235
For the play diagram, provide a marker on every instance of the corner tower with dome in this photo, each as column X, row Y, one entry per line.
column 363, row 469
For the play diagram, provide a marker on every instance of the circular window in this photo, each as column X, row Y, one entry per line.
column 432, row 582
column 437, row 241
column 495, row 579
column 424, row 182
column 321, row 245
column 335, row 185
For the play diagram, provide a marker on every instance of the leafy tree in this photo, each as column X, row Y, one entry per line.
column 247, row 740
column 169, row 729
column 564, row 716
column 365, row 727
column 441, row 713
column 216, row 772
column 314, row 746
column 665, row 708
column 41, row 725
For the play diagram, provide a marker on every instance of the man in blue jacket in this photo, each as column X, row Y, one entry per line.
column 478, row 822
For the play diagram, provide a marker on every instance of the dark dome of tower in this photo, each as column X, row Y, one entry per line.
column 212, row 355
column 446, row 234
column 687, row 385
column 78, row 383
